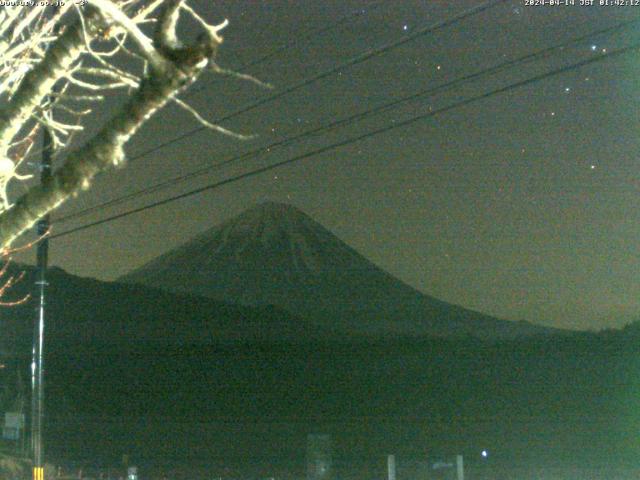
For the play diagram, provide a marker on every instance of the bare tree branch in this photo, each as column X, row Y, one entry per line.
column 172, row 67
column 38, row 82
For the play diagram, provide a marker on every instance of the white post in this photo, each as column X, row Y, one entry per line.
column 391, row 467
column 460, row 467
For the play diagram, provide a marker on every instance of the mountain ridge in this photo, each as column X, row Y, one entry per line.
column 89, row 314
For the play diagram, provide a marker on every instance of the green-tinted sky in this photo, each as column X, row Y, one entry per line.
column 523, row 205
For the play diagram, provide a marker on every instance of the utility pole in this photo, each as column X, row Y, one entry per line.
column 42, row 260
column 37, row 353
column 391, row 467
column 459, row 467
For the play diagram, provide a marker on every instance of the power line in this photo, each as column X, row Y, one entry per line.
column 404, row 123
column 299, row 39
column 370, row 53
column 543, row 53
column 355, row 13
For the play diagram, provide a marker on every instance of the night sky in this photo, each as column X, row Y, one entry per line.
column 522, row 205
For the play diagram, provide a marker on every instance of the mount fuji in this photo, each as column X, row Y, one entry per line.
column 275, row 254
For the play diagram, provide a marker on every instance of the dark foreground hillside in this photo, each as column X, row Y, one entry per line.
column 83, row 313
column 546, row 404
column 185, row 383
